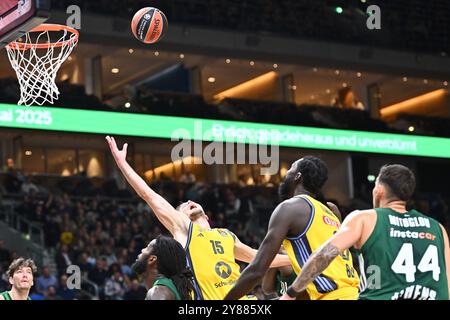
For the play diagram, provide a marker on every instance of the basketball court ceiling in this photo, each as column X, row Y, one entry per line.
column 122, row 66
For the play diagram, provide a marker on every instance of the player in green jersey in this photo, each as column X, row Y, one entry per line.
column 21, row 275
column 406, row 253
column 162, row 267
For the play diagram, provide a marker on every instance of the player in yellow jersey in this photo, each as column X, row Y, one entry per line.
column 211, row 253
column 303, row 224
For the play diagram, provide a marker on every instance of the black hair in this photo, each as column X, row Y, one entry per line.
column 172, row 264
column 314, row 173
column 400, row 181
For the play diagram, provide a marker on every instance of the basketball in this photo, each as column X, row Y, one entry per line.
column 149, row 25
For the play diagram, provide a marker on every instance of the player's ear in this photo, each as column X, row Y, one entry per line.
column 298, row 177
column 380, row 190
column 151, row 261
column 11, row 282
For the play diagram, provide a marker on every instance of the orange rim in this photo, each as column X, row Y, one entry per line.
column 42, row 28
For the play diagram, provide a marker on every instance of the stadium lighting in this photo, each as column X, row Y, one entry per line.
column 445, row 83
column 211, row 79
column 156, row 53
column 130, row 51
column 28, row 153
column 115, row 70
column 411, row 129
column 359, row 75
column 337, row 72
column 252, row 63
column 127, row 105
column 405, row 79
column 328, row 91
column 339, row 10
column 228, row 61
column 181, row 56
column 371, row 178
column 406, row 105
column 257, row 82
column 275, row 65
column 425, row 81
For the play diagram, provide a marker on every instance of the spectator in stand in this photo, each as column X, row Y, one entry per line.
column 115, row 287
column 231, row 205
column 13, row 179
column 29, row 186
column 187, row 177
column 52, row 294
column 63, row 291
column 64, row 258
column 5, row 256
column 136, row 291
column 44, row 281
column 110, row 256
column 99, row 273
column 346, row 100
column 84, row 264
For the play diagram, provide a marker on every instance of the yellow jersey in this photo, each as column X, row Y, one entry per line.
column 210, row 256
column 340, row 280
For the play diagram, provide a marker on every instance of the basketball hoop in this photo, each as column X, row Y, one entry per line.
column 37, row 57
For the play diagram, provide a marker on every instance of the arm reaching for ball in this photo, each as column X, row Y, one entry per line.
column 173, row 220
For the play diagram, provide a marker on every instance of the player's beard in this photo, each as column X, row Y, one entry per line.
column 140, row 266
column 286, row 188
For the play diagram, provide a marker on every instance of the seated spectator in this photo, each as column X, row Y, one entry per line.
column 52, row 294
column 5, row 256
column 110, row 256
column 187, row 177
column 136, row 291
column 29, row 186
column 45, row 281
column 125, row 268
column 13, row 179
column 64, row 258
column 346, row 100
column 83, row 262
column 63, row 291
column 115, row 287
column 99, row 273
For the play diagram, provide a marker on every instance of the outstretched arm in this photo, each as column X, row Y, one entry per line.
column 173, row 220
column 348, row 235
column 278, row 229
column 244, row 253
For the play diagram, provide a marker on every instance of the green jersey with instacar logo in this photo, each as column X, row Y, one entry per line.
column 404, row 258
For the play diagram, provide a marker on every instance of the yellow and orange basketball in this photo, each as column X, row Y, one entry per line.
column 149, row 25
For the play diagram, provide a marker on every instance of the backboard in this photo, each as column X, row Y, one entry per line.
column 17, row 17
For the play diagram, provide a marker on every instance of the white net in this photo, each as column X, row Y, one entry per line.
column 36, row 58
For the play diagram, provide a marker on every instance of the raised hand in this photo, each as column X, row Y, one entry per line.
column 119, row 155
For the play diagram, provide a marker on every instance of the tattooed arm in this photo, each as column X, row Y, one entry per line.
column 348, row 235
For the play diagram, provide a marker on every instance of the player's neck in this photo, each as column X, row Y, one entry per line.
column 17, row 294
column 203, row 223
column 152, row 277
column 299, row 190
column 396, row 205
